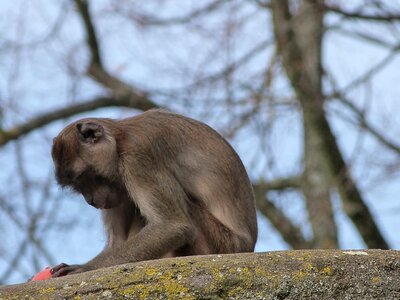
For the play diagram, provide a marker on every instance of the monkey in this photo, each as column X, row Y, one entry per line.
column 167, row 186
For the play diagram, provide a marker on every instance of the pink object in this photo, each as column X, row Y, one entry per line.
column 42, row 275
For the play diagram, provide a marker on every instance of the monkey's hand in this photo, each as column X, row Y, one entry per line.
column 64, row 269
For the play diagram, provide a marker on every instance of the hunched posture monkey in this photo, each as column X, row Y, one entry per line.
column 167, row 186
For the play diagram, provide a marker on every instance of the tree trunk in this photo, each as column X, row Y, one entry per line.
column 298, row 35
column 299, row 43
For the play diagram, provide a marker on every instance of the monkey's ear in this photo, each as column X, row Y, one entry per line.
column 89, row 132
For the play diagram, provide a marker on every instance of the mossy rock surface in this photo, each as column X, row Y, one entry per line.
column 303, row 274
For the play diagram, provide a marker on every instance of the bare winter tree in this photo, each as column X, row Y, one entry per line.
column 305, row 90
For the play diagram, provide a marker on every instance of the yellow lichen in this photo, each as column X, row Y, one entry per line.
column 246, row 276
column 327, row 271
column 376, row 280
column 309, row 266
column 167, row 283
column 174, row 289
column 46, row 291
column 139, row 289
column 299, row 276
column 236, row 291
column 303, row 272
column 151, row 271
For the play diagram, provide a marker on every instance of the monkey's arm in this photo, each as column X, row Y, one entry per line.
column 152, row 242
column 167, row 227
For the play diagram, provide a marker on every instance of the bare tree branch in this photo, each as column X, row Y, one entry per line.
column 96, row 68
column 384, row 17
column 290, row 232
column 18, row 252
column 281, row 184
column 149, row 20
column 374, row 69
column 124, row 94
column 83, row 7
column 248, row 56
column 132, row 101
column 363, row 123
column 263, row 3
column 377, row 41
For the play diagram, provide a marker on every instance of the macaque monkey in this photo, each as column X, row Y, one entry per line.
column 166, row 185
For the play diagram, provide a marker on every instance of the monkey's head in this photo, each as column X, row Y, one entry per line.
column 85, row 157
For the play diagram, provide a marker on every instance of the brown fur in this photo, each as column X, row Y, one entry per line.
column 168, row 186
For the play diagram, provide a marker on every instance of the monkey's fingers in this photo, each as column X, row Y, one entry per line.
column 60, row 270
column 58, row 267
column 64, row 269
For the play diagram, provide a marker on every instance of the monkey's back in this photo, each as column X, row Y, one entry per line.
column 205, row 164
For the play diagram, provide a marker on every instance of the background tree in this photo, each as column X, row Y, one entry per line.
column 305, row 91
